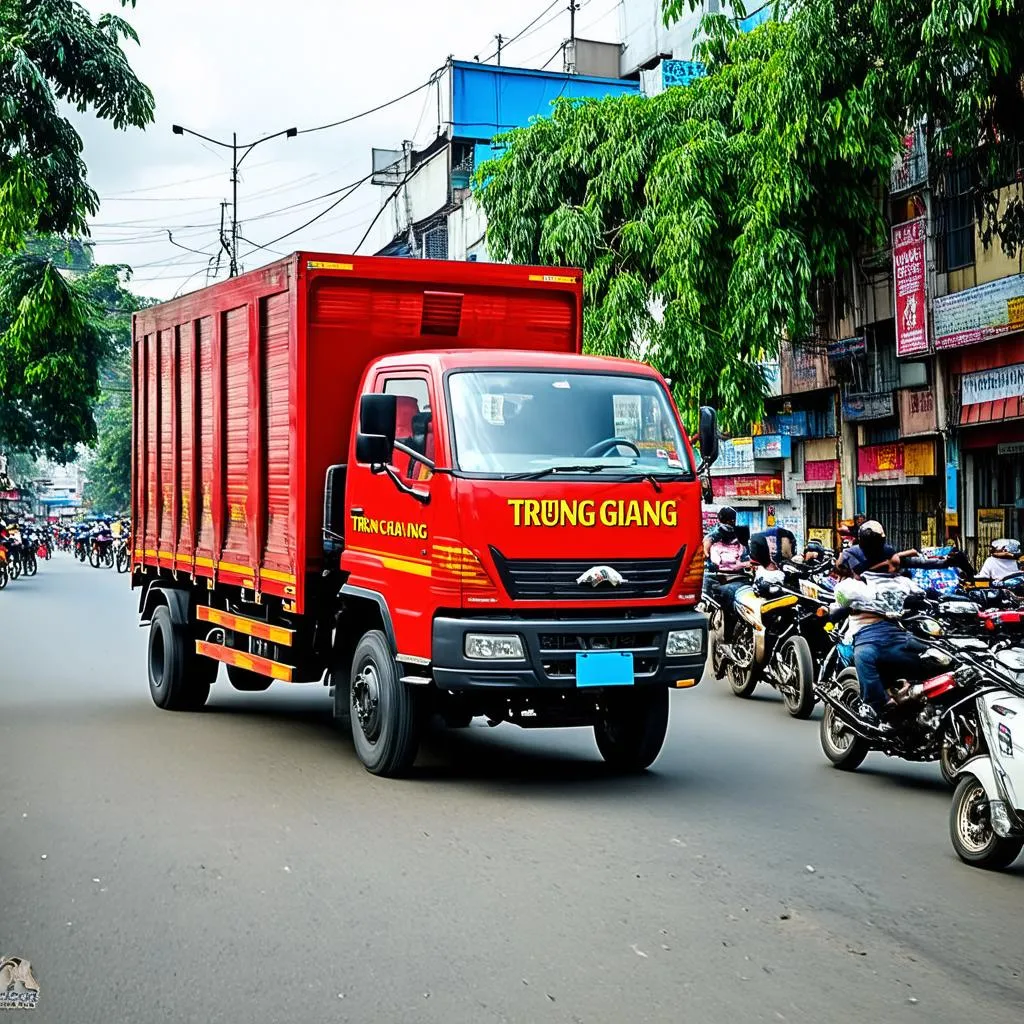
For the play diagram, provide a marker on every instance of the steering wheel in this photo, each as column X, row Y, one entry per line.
column 602, row 448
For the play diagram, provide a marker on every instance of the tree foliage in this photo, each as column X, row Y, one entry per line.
column 704, row 217
column 52, row 343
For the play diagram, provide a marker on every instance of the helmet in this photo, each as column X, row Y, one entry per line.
column 872, row 530
column 727, row 515
column 815, row 546
column 1007, row 544
column 726, row 533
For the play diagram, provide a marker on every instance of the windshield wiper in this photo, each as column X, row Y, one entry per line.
column 537, row 474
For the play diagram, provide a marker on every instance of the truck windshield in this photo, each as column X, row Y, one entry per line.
column 520, row 422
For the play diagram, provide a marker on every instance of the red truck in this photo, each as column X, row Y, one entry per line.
column 401, row 478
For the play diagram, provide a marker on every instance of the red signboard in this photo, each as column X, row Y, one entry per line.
column 758, row 485
column 908, row 263
column 10, row 495
column 822, row 472
column 880, row 462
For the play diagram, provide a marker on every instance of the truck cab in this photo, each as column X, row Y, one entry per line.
column 527, row 525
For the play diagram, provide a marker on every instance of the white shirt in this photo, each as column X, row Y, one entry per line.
column 998, row 568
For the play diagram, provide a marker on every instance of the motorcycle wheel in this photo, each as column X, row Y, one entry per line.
column 970, row 830
column 714, row 643
column 122, row 560
column 845, row 750
column 796, row 663
column 951, row 760
column 15, row 568
column 31, row 565
column 742, row 681
column 108, row 557
column 3, row 576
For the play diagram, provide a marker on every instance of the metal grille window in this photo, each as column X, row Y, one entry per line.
column 435, row 243
column 909, row 514
column 956, row 248
column 820, row 510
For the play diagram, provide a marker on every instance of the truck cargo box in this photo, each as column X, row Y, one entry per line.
column 244, row 394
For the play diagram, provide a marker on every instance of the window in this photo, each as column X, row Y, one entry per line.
column 956, row 248
column 520, row 421
column 414, row 425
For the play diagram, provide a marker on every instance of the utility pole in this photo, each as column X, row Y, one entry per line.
column 570, row 64
column 238, row 154
column 500, row 39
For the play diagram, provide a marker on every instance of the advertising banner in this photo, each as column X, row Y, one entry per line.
column 735, row 455
column 908, row 262
column 772, row 446
column 875, row 405
column 762, row 485
column 992, row 385
column 978, row 314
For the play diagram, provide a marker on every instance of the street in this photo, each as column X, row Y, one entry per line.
column 239, row 864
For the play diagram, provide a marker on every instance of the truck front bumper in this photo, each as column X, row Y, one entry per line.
column 550, row 647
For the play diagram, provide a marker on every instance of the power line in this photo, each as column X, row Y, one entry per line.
column 373, row 110
column 387, row 202
column 525, row 29
column 350, row 189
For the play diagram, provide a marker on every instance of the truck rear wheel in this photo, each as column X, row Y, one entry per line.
column 630, row 731
column 386, row 718
column 179, row 680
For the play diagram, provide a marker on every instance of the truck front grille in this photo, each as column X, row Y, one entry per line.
column 555, row 580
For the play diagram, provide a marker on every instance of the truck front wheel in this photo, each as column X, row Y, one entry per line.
column 630, row 729
column 179, row 679
column 386, row 718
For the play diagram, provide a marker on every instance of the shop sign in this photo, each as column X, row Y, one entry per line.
column 952, row 520
column 868, row 405
column 991, row 526
column 820, row 475
column 917, row 411
column 846, row 348
column 735, row 455
column 908, row 262
column 978, row 314
column 1010, row 448
column 10, row 495
column 992, row 385
column 772, row 446
column 821, row 534
column 895, row 461
column 761, row 485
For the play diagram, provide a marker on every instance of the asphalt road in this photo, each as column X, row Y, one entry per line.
column 238, row 865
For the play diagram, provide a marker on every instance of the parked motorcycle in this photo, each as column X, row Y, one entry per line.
column 986, row 819
column 767, row 642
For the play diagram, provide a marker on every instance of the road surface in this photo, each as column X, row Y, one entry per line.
column 238, row 865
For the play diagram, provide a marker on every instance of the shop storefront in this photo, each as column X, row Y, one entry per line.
column 899, row 487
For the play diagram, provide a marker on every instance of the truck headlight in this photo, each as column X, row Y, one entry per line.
column 684, row 641
column 493, row 647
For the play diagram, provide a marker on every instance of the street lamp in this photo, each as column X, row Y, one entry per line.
column 236, row 161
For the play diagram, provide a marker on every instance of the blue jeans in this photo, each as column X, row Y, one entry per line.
column 884, row 649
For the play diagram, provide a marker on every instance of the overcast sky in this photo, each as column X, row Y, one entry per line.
column 257, row 67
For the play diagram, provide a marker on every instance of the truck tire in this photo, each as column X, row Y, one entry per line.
column 386, row 718
column 179, row 680
column 245, row 681
column 631, row 732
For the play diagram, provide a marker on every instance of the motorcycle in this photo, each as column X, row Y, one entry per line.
column 931, row 716
column 986, row 818
column 101, row 549
column 767, row 641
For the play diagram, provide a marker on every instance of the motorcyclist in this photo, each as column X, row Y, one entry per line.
column 726, row 523
column 1002, row 559
column 871, row 553
column 881, row 650
column 727, row 554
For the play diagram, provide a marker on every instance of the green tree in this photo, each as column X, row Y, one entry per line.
column 705, row 217
column 52, row 52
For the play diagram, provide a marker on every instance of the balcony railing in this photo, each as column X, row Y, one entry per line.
column 910, row 168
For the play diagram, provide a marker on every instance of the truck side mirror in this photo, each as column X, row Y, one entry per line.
column 378, row 414
column 708, row 433
column 374, row 449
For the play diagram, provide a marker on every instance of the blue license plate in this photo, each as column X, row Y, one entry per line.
column 604, row 668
